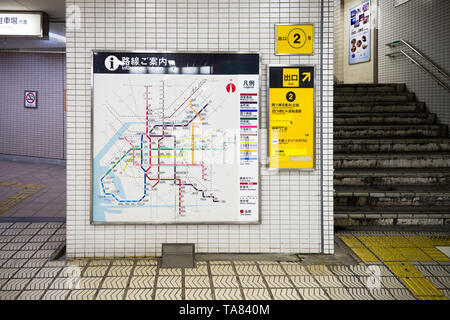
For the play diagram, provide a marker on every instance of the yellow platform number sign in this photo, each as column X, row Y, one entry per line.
column 294, row 39
column 291, row 117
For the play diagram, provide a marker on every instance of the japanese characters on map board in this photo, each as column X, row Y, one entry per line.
column 359, row 41
column 175, row 138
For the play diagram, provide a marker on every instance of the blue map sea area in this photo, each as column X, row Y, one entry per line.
column 99, row 204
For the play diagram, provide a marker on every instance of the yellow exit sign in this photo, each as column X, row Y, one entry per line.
column 294, row 39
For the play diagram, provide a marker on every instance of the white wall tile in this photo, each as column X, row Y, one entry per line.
column 290, row 201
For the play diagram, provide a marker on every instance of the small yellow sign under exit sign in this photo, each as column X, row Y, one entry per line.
column 294, row 39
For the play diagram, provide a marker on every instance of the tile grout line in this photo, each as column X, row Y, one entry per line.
column 130, row 276
column 183, row 285
column 291, row 282
column 103, row 279
column 241, row 289
column 320, row 286
column 211, row 283
column 264, row 280
column 155, row 283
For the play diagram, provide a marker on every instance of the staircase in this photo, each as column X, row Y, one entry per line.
column 391, row 158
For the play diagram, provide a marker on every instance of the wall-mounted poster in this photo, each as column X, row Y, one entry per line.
column 359, row 37
column 175, row 137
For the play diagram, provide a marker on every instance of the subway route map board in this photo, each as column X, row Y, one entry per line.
column 175, row 137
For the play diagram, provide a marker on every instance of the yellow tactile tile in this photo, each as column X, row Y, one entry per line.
column 435, row 254
column 412, row 254
column 421, row 287
column 365, row 255
column 27, row 191
column 440, row 240
column 400, row 242
column 403, row 269
column 432, row 298
column 370, row 241
column 420, row 241
column 351, row 241
column 387, row 254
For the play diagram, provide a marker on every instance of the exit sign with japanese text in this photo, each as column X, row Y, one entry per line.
column 294, row 39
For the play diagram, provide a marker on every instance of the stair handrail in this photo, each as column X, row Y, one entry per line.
column 442, row 84
column 442, row 72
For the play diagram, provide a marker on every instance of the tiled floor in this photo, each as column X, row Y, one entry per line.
column 27, row 273
column 32, row 190
column 392, row 265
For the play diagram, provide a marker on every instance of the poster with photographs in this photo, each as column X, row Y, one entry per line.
column 359, row 44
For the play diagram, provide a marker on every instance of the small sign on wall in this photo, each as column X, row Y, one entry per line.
column 294, row 39
column 30, row 99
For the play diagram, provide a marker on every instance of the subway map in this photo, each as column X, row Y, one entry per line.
column 175, row 148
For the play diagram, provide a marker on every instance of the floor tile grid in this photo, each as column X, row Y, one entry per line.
column 292, row 282
column 264, row 281
column 20, row 227
column 127, row 288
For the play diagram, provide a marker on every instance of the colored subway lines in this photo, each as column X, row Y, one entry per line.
column 174, row 147
column 158, row 134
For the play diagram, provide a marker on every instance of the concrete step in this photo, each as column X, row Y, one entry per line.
column 392, row 177
column 383, row 118
column 389, row 131
column 361, row 97
column 392, row 195
column 391, row 212
column 392, row 160
column 348, row 88
column 391, row 145
column 372, row 107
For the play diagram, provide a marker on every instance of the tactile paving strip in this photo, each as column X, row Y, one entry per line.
column 397, row 252
column 27, row 190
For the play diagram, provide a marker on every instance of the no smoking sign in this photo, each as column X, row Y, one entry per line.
column 30, row 99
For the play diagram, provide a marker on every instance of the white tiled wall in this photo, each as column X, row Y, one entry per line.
column 424, row 24
column 290, row 200
column 339, row 41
